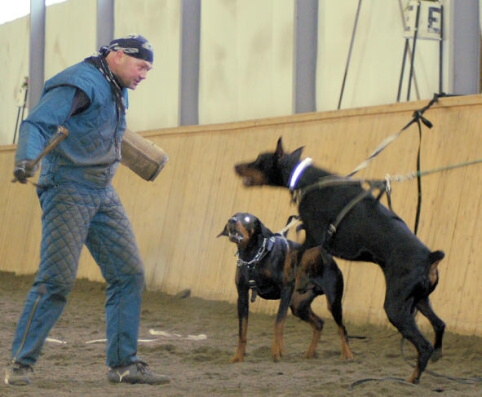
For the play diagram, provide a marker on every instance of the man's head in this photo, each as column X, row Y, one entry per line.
column 130, row 58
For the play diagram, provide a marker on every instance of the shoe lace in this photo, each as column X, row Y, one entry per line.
column 22, row 367
column 142, row 367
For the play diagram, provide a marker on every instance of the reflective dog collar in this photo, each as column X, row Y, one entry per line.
column 298, row 171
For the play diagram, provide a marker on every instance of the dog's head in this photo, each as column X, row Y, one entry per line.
column 272, row 169
column 244, row 229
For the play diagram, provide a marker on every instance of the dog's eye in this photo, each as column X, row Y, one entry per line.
column 247, row 219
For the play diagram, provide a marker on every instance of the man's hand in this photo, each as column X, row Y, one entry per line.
column 24, row 169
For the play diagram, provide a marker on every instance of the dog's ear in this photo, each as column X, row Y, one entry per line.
column 279, row 148
column 265, row 232
column 296, row 155
column 224, row 232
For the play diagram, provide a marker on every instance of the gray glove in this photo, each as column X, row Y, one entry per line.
column 24, row 169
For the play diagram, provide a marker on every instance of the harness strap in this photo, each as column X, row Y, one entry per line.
column 327, row 181
column 383, row 186
column 332, row 227
column 292, row 221
column 265, row 248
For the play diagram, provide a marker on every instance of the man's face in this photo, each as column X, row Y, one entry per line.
column 130, row 71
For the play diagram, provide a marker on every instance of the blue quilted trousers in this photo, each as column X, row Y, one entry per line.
column 74, row 215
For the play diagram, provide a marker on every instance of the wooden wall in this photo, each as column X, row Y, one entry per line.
column 178, row 216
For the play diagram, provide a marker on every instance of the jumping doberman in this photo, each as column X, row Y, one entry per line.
column 267, row 266
column 344, row 218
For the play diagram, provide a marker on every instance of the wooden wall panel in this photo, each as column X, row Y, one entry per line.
column 178, row 216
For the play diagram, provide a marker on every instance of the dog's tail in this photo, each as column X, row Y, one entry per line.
column 434, row 258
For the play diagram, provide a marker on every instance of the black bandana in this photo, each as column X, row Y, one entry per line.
column 135, row 46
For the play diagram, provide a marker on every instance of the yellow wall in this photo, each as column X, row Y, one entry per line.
column 247, row 57
column 177, row 217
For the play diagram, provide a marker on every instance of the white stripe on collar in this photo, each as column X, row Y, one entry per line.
column 298, row 171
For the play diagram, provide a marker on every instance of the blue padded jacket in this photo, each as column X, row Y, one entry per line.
column 91, row 153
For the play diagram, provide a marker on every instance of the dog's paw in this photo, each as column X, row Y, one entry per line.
column 237, row 359
column 276, row 355
column 310, row 355
column 437, row 355
column 347, row 355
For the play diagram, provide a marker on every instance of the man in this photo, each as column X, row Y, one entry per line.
column 80, row 206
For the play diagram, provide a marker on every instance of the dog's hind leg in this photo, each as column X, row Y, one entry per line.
column 321, row 271
column 335, row 307
column 309, row 263
column 310, row 267
column 437, row 324
column 399, row 311
column 333, row 285
column 301, row 308
column 426, row 309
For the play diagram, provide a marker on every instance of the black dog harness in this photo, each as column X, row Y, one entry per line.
column 298, row 194
column 265, row 249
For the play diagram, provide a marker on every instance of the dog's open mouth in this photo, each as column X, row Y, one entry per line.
column 235, row 236
column 248, row 181
column 247, row 175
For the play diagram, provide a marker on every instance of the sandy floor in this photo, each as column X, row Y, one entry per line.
column 198, row 339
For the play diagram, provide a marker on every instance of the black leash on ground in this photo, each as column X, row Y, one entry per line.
column 386, row 378
column 466, row 381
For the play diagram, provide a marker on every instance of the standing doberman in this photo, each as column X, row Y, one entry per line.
column 267, row 267
column 339, row 215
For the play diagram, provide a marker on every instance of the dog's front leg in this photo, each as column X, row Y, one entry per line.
column 278, row 347
column 243, row 315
